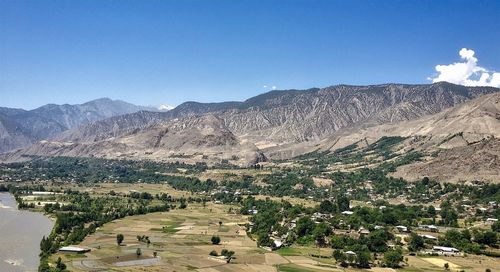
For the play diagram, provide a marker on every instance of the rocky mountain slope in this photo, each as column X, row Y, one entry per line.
column 20, row 128
column 278, row 124
column 464, row 138
column 280, row 117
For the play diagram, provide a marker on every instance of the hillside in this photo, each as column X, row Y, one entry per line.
column 464, row 139
column 278, row 124
column 21, row 128
column 282, row 117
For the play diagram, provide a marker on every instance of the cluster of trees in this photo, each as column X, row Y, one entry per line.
column 84, row 215
column 224, row 252
column 472, row 241
column 144, row 239
column 85, row 170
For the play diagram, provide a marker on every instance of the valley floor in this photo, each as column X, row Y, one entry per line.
column 181, row 238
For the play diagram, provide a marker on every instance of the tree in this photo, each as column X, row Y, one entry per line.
column 486, row 238
column 377, row 240
column 342, row 203
column 138, row 252
column 304, row 226
column 215, row 240
column 431, row 211
column 320, row 231
column 60, row 265
column 447, row 266
column 264, row 240
column 228, row 254
column 119, row 238
column 416, row 242
column 393, row 258
column 339, row 256
column 326, row 207
column 363, row 259
column 496, row 226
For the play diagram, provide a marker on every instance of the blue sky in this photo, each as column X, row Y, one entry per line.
column 153, row 52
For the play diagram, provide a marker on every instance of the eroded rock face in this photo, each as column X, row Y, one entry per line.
column 278, row 123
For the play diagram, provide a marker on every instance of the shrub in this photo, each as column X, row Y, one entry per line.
column 215, row 240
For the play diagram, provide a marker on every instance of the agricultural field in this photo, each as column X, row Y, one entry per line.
column 181, row 239
column 268, row 218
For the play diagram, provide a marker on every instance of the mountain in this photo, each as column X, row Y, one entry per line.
column 20, row 128
column 277, row 124
column 464, row 139
column 292, row 116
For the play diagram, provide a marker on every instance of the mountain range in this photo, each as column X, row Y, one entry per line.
column 21, row 128
column 274, row 125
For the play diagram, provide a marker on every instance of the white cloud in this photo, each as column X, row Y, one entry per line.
column 467, row 73
column 164, row 107
column 269, row 87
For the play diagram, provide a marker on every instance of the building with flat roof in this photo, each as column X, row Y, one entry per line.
column 74, row 249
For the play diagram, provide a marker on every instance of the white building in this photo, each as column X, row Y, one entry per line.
column 74, row 249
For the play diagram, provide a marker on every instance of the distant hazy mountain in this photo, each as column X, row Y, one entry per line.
column 19, row 128
column 275, row 124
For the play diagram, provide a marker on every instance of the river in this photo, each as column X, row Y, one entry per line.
column 20, row 236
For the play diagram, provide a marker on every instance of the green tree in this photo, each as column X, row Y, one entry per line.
column 215, row 240
column 339, row 256
column 416, row 242
column 496, row 226
column 393, row 258
column 60, row 266
column 342, row 203
column 264, row 240
column 326, row 206
column 363, row 259
column 486, row 238
column 138, row 252
column 304, row 226
column 119, row 238
column 320, row 232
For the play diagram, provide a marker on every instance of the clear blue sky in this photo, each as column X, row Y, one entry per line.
column 152, row 52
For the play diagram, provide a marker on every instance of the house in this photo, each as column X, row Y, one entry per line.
column 431, row 228
column 402, row 229
column 445, row 250
column 74, row 249
column 277, row 243
column 350, row 252
column 427, row 236
column 347, row 212
column 363, row 231
column 491, row 220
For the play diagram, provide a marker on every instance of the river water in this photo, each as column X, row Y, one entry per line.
column 20, row 236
